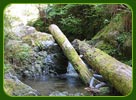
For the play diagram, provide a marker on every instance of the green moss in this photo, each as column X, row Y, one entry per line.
column 104, row 91
column 112, row 38
column 78, row 64
column 116, row 24
column 7, row 67
column 9, row 86
column 115, row 51
column 101, row 62
column 106, row 47
column 62, row 39
column 37, row 37
column 18, row 53
column 16, row 88
column 39, row 45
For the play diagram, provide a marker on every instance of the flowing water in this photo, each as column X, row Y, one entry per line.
column 68, row 82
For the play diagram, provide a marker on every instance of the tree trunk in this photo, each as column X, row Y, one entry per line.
column 71, row 54
column 117, row 73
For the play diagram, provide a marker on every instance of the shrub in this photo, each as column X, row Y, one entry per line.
column 81, row 21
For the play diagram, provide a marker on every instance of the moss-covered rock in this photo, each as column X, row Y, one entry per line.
column 114, row 39
column 37, row 38
column 20, row 57
column 30, row 63
column 18, row 53
column 14, row 87
column 22, row 30
column 104, row 91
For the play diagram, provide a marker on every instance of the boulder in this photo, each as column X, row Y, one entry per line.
column 65, row 93
column 37, row 39
column 22, row 30
column 14, row 87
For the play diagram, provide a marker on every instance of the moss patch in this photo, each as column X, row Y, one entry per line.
column 17, row 88
column 114, row 40
column 37, row 37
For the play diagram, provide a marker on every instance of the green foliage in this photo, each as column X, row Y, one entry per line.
column 7, row 66
column 39, row 25
column 39, row 45
column 128, row 62
column 81, row 21
column 122, row 38
column 23, row 52
column 109, row 49
column 8, row 33
column 115, row 52
column 70, row 23
column 17, row 53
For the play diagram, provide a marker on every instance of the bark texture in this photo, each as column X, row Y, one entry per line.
column 71, row 53
column 117, row 73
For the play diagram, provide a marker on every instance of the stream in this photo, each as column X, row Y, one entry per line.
column 60, row 85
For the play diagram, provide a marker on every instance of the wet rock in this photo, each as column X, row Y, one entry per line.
column 56, row 62
column 36, row 49
column 45, row 54
column 78, row 94
column 48, row 44
column 57, row 93
column 38, row 68
column 39, row 62
column 30, row 30
column 27, row 73
column 22, row 30
column 104, row 91
column 65, row 93
column 51, row 47
column 31, row 93
column 14, row 87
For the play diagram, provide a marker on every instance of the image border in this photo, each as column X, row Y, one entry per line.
column 6, row 95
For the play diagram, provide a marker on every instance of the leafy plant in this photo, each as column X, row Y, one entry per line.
column 122, row 38
column 81, row 21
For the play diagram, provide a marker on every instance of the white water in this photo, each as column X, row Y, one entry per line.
column 71, row 71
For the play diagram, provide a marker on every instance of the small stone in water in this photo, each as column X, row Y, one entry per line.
column 65, row 93
column 78, row 94
column 57, row 93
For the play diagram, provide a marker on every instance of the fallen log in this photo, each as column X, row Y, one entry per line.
column 71, row 54
column 117, row 73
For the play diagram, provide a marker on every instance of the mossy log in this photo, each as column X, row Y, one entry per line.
column 71, row 53
column 117, row 73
